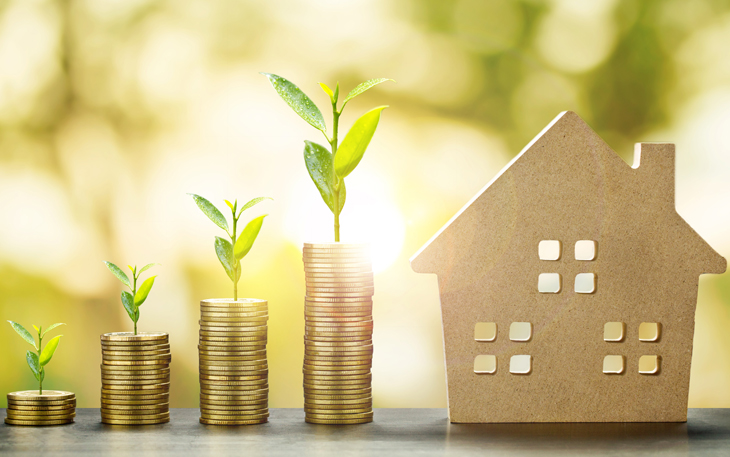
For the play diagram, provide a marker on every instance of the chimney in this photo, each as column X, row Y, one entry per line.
column 654, row 163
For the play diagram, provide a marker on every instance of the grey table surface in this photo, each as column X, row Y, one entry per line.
column 394, row 432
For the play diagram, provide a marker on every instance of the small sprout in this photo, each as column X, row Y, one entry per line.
column 132, row 301
column 38, row 360
column 329, row 168
column 231, row 252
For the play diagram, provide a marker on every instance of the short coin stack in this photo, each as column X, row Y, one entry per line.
column 338, row 345
column 29, row 407
column 135, row 378
column 234, row 372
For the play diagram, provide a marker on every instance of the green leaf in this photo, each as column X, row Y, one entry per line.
column 32, row 359
column 248, row 236
column 37, row 329
column 319, row 165
column 49, row 350
column 211, row 211
column 362, row 87
column 143, row 291
column 25, row 334
column 51, row 328
column 116, row 271
column 328, row 91
column 251, row 203
column 147, row 267
column 128, row 302
column 356, row 142
column 224, row 250
column 133, row 269
column 298, row 101
column 230, row 205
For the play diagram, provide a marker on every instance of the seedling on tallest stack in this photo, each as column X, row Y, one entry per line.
column 329, row 168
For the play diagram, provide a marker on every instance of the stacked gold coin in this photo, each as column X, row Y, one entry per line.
column 29, row 407
column 234, row 372
column 338, row 345
column 135, row 378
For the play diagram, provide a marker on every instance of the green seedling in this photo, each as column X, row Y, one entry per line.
column 329, row 168
column 132, row 301
column 231, row 252
column 38, row 360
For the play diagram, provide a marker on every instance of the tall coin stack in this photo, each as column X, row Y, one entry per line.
column 29, row 407
column 135, row 378
column 338, row 344
column 234, row 372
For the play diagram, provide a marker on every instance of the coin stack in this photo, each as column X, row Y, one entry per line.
column 135, row 378
column 338, row 344
column 29, row 407
column 234, row 372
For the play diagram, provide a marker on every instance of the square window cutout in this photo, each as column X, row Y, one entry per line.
column 649, row 331
column 549, row 283
column 520, row 331
column 585, row 283
column 649, row 364
column 613, row 364
column 549, row 249
column 520, row 364
column 485, row 364
column 585, row 250
column 485, row 331
column 614, row 331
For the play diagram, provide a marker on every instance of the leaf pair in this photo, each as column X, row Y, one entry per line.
column 319, row 165
column 140, row 295
column 35, row 362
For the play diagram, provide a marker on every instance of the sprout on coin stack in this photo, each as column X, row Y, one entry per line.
column 234, row 375
column 39, row 407
column 338, row 305
column 135, row 369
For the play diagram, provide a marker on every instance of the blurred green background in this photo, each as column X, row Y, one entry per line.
column 112, row 110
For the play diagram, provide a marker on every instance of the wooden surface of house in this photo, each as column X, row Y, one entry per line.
column 568, row 286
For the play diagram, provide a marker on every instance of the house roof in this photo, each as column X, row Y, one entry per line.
column 569, row 171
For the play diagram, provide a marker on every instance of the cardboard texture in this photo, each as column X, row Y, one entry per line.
column 567, row 185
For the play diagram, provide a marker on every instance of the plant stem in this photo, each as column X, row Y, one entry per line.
column 335, row 185
column 235, row 264
column 40, row 374
column 134, row 294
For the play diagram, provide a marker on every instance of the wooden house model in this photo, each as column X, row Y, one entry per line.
column 569, row 285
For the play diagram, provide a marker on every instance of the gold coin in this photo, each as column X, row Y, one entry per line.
column 129, row 337
column 359, row 254
column 226, row 397
column 338, row 397
column 339, row 416
column 337, row 373
column 312, row 344
column 48, row 395
column 135, row 369
column 334, row 318
column 250, row 394
column 339, row 295
column 225, row 377
column 233, row 422
column 364, row 339
column 137, row 382
column 340, row 403
column 227, row 329
column 205, row 359
column 115, row 412
column 147, row 407
column 135, row 421
column 248, row 367
column 234, row 309
column 234, row 417
column 328, row 378
column 127, row 352
column 232, row 363
column 232, row 339
column 37, row 422
column 205, row 355
column 337, row 385
column 311, row 368
column 358, row 276
column 353, row 411
column 106, row 402
column 340, row 302
column 232, row 414
column 118, row 379
column 46, row 417
column 339, row 357
column 41, row 407
column 235, row 347
column 138, row 348
column 337, row 351
column 235, row 386
column 143, row 395
column 331, row 311
column 126, row 387
column 340, row 325
column 312, row 272
column 328, row 391
column 241, row 315
column 324, row 335
column 231, row 334
column 138, row 363
column 364, row 420
column 140, row 415
column 157, row 357
column 346, row 262
column 234, row 403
